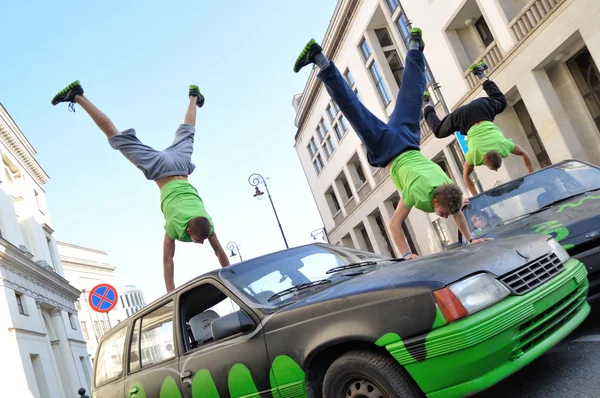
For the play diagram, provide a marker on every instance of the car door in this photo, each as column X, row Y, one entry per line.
column 109, row 366
column 153, row 360
column 222, row 344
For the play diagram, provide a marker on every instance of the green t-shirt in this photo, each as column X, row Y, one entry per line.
column 416, row 177
column 486, row 137
column 180, row 202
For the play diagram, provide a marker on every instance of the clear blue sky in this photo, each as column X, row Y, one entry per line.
column 135, row 61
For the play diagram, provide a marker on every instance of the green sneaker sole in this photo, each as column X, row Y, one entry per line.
column 298, row 64
column 62, row 92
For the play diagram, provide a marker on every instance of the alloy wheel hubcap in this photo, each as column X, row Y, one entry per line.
column 364, row 389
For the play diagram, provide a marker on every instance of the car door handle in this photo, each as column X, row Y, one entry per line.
column 186, row 378
column 133, row 390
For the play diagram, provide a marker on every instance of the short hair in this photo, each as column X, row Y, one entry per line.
column 449, row 196
column 493, row 160
column 199, row 227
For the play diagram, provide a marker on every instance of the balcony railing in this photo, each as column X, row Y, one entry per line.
column 350, row 205
column 492, row 57
column 338, row 218
column 532, row 15
column 364, row 191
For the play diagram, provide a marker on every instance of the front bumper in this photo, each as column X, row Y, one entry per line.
column 472, row 354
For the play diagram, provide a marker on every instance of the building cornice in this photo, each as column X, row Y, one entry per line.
column 87, row 249
column 15, row 141
column 80, row 263
column 341, row 21
column 30, row 278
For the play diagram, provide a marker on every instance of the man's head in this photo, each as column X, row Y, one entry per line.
column 493, row 160
column 447, row 200
column 480, row 220
column 198, row 229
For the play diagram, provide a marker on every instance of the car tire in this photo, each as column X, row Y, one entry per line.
column 370, row 374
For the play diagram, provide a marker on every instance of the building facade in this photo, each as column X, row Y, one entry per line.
column 40, row 338
column 131, row 299
column 543, row 54
column 86, row 268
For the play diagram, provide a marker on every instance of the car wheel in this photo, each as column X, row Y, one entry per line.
column 365, row 374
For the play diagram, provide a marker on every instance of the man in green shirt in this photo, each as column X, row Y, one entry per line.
column 186, row 219
column 422, row 183
column 487, row 145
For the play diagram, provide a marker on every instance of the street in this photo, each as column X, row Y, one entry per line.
column 570, row 369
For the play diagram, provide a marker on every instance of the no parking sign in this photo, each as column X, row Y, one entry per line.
column 103, row 297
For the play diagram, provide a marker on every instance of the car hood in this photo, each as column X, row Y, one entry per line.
column 569, row 221
column 435, row 271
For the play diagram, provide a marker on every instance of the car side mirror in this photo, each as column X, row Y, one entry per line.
column 231, row 324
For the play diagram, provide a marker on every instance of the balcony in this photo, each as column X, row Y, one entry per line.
column 364, row 191
column 491, row 56
column 532, row 15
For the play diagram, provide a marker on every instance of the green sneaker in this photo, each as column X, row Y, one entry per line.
column 195, row 92
column 307, row 54
column 478, row 69
column 426, row 97
column 68, row 94
column 416, row 37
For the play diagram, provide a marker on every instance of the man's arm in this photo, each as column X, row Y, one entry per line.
column 168, row 264
column 526, row 159
column 219, row 252
column 461, row 223
column 468, row 169
column 398, row 218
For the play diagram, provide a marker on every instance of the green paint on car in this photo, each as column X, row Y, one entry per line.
column 240, row 382
column 550, row 227
column 387, row 338
column 569, row 246
column 137, row 389
column 439, row 318
column 576, row 204
column 287, row 375
column 203, row 385
column 169, row 388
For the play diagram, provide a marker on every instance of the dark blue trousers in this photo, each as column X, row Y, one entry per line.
column 382, row 141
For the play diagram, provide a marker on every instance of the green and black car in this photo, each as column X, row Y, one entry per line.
column 562, row 200
column 328, row 321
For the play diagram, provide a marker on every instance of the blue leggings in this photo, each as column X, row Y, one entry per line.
column 382, row 141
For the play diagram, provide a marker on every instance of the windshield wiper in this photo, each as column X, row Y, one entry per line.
column 360, row 264
column 296, row 288
column 545, row 207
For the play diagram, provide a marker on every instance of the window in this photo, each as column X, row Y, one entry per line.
column 378, row 79
column 391, row 54
column 329, row 147
column 331, row 113
column 332, row 201
column 411, row 244
column 97, row 329
column 157, row 335
column 347, row 188
column 201, row 306
column 321, row 130
column 404, row 28
column 39, row 202
column 84, row 330
column 587, row 78
column 365, row 236
column 51, row 250
column 335, row 107
column 72, row 321
column 532, row 134
column 338, row 132
column 109, row 363
column 393, row 5
column 484, row 32
column 365, row 49
column 360, row 173
column 383, row 233
column 440, row 229
column 20, row 305
column 78, row 305
column 312, row 147
column 349, row 78
column 103, row 325
column 343, row 120
column 358, row 95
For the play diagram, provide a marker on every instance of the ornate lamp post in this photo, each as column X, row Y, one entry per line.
column 233, row 245
column 256, row 179
column 322, row 231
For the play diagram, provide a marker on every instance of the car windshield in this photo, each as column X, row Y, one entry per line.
column 528, row 194
column 263, row 277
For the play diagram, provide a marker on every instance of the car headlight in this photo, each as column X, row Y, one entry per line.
column 562, row 254
column 469, row 296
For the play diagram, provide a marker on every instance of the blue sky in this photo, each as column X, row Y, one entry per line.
column 135, row 61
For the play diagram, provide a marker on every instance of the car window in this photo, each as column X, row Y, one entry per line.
column 109, row 363
column 156, row 337
column 200, row 306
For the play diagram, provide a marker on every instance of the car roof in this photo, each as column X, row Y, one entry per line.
column 535, row 172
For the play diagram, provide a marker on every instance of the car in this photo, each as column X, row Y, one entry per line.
column 323, row 320
column 562, row 200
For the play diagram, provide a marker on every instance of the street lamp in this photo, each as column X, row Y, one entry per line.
column 256, row 179
column 233, row 245
column 316, row 232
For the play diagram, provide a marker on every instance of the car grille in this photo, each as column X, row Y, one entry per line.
column 533, row 274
